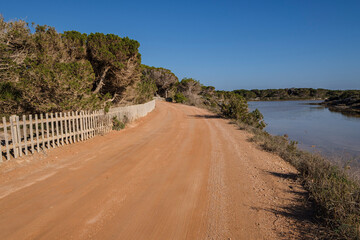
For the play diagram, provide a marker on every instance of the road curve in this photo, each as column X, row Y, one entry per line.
column 178, row 173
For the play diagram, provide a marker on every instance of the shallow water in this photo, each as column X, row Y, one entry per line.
column 315, row 127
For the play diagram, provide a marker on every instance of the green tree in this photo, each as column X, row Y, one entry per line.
column 115, row 61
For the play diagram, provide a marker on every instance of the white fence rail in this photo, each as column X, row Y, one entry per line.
column 29, row 134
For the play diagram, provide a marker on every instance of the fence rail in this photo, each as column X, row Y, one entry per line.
column 32, row 133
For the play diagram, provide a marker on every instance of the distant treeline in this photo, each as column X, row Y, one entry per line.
column 288, row 94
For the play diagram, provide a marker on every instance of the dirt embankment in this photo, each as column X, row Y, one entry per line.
column 178, row 173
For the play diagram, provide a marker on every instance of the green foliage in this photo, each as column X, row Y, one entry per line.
column 191, row 89
column 255, row 119
column 145, row 91
column 48, row 71
column 180, row 98
column 75, row 43
column 55, row 86
column 8, row 92
column 234, row 106
column 110, row 50
column 117, row 125
column 164, row 79
column 116, row 63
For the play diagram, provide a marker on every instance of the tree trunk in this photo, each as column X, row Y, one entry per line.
column 101, row 82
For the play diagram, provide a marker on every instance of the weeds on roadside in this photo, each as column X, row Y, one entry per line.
column 117, row 124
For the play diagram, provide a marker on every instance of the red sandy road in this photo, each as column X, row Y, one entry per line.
column 179, row 174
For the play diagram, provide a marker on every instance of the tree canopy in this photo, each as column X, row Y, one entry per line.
column 44, row 70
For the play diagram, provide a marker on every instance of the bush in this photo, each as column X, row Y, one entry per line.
column 255, row 119
column 235, row 106
column 145, row 91
column 180, row 98
column 117, row 125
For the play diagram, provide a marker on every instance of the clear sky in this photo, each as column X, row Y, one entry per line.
column 226, row 44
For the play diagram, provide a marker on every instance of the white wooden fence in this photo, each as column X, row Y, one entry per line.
column 32, row 133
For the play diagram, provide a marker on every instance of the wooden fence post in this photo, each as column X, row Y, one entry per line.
column 52, row 129
column 25, row 135
column 13, row 135
column 89, row 119
column 91, row 124
column 6, row 139
column 57, row 129
column 42, row 132
column 96, row 123
column 37, row 133
column 47, row 130
column 82, row 125
column 61, row 129
column 31, row 134
column 77, row 126
column 19, row 136
column 65, row 128
column 74, row 126
column 69, row 127
column 85, row 125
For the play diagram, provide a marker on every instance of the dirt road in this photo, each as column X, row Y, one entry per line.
column 178, row 173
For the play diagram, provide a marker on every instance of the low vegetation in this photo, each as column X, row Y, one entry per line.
column 334, row 194
column 117, row 124
column 347, row 102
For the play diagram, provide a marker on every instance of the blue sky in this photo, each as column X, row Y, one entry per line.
column 226, row 44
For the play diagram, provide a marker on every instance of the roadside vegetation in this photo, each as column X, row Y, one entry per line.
column 117, row 124
column 42, row 70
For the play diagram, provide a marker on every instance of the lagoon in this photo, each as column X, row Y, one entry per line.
column 314, row 127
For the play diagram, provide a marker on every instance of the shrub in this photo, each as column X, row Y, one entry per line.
column 117, row 125
column 235, row 106
column 180, row 98
column 255, row 119
column 145, row 91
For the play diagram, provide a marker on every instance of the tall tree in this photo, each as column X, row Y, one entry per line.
column 115, row 61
